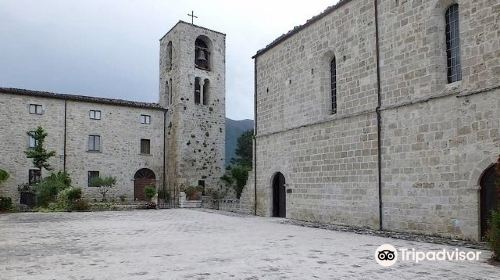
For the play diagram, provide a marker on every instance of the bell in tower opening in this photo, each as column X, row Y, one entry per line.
column 202, row 54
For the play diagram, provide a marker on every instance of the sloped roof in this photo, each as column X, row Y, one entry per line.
column 298, row 28
column 83, row 98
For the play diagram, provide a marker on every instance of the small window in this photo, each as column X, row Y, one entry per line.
column 36, row 109
column 197, row 90
column 171, row 93
column 91, row 176
column 145, row 146
column 145, row 119
column 95, row 114
column 32, row 141
column 333, row 84
column 169, row 56
column 34, row 176
column 206, row 92
column 453, row 44
column 94, row 143
column 201, row 183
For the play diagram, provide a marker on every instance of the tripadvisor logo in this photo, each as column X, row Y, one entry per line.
column 386, row 255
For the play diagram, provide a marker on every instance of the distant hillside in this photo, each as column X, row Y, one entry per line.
column 234, row 129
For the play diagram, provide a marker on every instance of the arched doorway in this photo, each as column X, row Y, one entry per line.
column 279, row 196
column 143, row 178
column 490, row 196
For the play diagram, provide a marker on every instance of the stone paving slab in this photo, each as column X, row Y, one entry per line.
column 190, row 244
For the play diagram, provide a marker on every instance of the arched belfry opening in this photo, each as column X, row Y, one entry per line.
column 202, row 53
column 490, row 196
column 143, row 178
column 279, row 195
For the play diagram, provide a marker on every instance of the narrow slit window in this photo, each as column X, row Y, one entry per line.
column 453, row 44
column 197, row 90
column 333, row 85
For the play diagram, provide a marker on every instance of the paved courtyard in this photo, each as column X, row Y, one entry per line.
column 191, row 244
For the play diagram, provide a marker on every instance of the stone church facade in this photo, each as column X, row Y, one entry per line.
column 382, row 114
column 176, row 142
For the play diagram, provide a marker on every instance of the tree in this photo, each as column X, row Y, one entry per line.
column 105, row 184
column 244, row 149
column 39, row 154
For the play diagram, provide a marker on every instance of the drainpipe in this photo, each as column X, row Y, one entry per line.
column 64, row 141
column 379, row 120
column 164, row 150
column 255, row 135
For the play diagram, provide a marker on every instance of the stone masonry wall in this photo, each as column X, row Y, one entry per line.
column 436, row 138
column 120, row 130
column 196, row 132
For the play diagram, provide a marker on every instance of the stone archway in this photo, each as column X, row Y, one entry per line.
column 489, row 196
column 143, row 177
column 279, row 195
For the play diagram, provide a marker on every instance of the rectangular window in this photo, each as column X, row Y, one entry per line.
column 95, row 114
column 36, row 109
column 91, row 176
column 145, row 119
column 32, row 140
column 94, row 143
column 34, row 176
column 145, row 146
column 453, row 44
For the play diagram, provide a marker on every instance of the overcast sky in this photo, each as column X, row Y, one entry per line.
column 110, row 48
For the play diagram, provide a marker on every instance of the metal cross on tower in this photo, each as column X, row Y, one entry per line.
column 192, row 17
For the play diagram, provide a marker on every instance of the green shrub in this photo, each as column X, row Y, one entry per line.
column 48, row 188
column 68, row 199
column 123, row 198
column 3, row 176
column 240, row 176
column 81, row 205
column 105, row 184
column 164, row 194
column 192, row 192
column 5, row 203
column 149, row 192
column 494, row 234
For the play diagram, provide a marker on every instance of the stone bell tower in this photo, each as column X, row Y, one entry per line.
column 192, row 88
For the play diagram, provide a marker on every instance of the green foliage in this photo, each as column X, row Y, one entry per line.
column 123, row 198
column 3, row 176
column 164, row 194
column 244, row 149
column 105, row 184
column 5, row 203
column 240, row 176
column 227, row 178
column 192, row 192
column 494, row 234
column 149, row 192
column 39, row 154
column 48, row 188
column 70, row 199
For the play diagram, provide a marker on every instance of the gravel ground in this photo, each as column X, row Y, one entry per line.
column 190, row 244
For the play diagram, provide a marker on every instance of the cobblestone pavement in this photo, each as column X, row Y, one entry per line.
column 191, row 244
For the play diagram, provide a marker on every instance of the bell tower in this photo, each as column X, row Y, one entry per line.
column 192, row 88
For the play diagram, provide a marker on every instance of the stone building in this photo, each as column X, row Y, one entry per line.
column 179, row 140
column 382, row 114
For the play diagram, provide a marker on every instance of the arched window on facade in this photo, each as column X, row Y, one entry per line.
column 333, row 84
column 206, row 92
column 453, row 44
column 202, row 53
column 169, row 56
column 197, row 90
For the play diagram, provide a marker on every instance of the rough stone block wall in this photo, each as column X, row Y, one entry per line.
column 437, row 138
column 195, row 132
column 430, row 153
column 120, row 130
column 330, row 169
column 15, row 122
